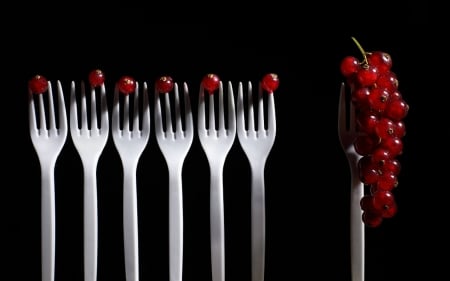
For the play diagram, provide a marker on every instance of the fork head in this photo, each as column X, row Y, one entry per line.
column 130, row 136
column 216, row 141
column 48, row 140
column 173, row 144
column 256, row 140
column 347, row 129
column 89, row 137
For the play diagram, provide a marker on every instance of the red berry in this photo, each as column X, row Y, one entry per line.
column 381, row 60
column 38, row 84
column 270, row 82
column 211, row 82
column 349, row 66
column 367, row 75
column 126, row 85
column 96, row 78
column 164, row 84
column 372, row 219
column 396, row 109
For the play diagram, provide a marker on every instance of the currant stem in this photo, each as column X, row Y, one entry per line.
column 361, row 50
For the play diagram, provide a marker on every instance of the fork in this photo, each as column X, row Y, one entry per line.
column 130, row 143
column 257, row 144
column 174, row 145
column 347, row 133
column 217, row 143
column 89, row 141
column 48, row 142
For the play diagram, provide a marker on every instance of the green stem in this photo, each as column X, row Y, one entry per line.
column 360, row 49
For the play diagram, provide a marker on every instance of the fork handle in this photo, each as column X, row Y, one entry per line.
column 175, row 224
column 357, row 245
column 48, row 222
column 217, row 225
column 130, row 223
column 90, row 223
column 258, row 222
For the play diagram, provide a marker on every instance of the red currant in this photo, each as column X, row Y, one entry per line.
column 349, row 66
column 96, row 78
column 126, row 85
column 211, row 82
column 381, row 60
column 270, row 82
column 38, row 84
column 164, row 84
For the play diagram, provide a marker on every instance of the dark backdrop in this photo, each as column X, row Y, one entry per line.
column 307, row 177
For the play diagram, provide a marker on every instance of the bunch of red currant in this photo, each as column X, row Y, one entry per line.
column 380, row 110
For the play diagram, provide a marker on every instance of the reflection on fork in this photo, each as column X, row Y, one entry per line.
column 48, row 143
column 174, row 145
column 256, row 144
column 130, row 143
column 89, row 140
column 217, row 143
column 347, row 134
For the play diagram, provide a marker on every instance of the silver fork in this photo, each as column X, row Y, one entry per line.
column 48, row 143
column 257, row 144
column 217, row 143
column 347, row 134
column 174, row 145
column 130, row 143
column 89, row 141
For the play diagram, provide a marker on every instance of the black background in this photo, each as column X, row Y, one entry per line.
column 307, row 177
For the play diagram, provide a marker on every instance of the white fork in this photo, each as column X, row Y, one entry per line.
column 89, row 141
column 174, row 146
column 256, row 145
column 217, row 143
column 48, row 143
column 347, row 137
column 130, row 144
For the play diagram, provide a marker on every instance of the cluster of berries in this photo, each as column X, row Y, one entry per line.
column 380, row 110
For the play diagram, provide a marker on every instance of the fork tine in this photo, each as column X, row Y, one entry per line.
column 158, row 119
column 179, row 129
column 73, row 110
column 342, row 117
column 62, row 110
column 169, row 128
column 201, row 112
column 84, row 122
column 145, row 112
column 115, row 122
column 32, row 114
column 51, row 113
column 271, row 123
column 221, row 109
column 261, row 127
column 189, row 126
column 251, row 114
column 212, row 118
column 136, row 110
column 231, row 111
column 94, row 126
column 240, row 109
column 104, row 106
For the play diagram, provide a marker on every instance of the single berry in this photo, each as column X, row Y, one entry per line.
column 96, row 78
column 211, row 82
column 349, row 66
column 381, row 60
column 127, row 85
column 38, row 84
column 164, row 84
column 270, row 82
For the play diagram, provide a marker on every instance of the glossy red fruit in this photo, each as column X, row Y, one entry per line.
column 270, row 82
column 367, row 75
column 38, row 84
column 396, row 109
column 126, row 84
column 349, row 66
column 164, row 84
column 381, row 60
column 211, row 83
column 96, row 78
column 372, row 219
